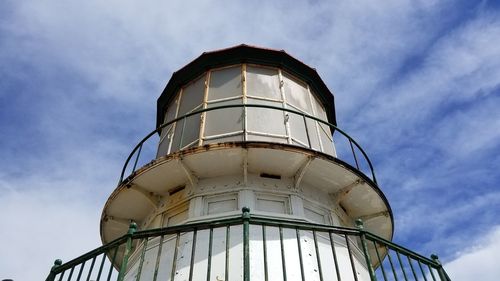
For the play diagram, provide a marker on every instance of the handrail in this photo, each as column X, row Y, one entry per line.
column 350, row 234
column 334, row 128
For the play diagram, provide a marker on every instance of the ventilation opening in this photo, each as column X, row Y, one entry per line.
column 270, row 176
column 176, row 189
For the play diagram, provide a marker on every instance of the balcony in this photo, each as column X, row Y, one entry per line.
column 246, row 248
column 299, row 130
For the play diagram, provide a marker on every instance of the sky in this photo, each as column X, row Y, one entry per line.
column 416, row 83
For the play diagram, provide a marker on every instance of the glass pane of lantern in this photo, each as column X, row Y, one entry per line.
column 313, row 134
column 225, row 83
column 167, row 132
column 190, row 134
column 318, row 108
column 266, row 120
column 298, row 128
column 226, row 120
column 263, row 82
column 192, row 96
column 326, row 139
column 296, row 93
column 164, row 143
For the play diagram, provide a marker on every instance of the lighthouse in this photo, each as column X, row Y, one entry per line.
column 247, row 177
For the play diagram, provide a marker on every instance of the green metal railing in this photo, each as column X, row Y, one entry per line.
column 312, row 251
column 354, row 161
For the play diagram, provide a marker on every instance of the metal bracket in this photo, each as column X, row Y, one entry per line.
column 120, row 221
column 193, row 180
column 375, row 215
column 340, row 195
column 152, row 197
column 301, row 171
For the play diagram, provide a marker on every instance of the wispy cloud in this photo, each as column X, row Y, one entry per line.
column 478, row 261
column 416, row 82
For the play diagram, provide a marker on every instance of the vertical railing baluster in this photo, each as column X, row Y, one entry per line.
column 283, row 263
column 182, row 132
column 71, row 273
column 264, row 246
column 110, row 272
column 421, row 270
column 141, row 262
column 61, row 276
column 392, row 264
column 362, row 236
column 412, row 269
column 226, row 272
column 401, row 265
column 379, row 260
column 354, row 154
column 158, row 256
column 246, row 243
column 137, row 157
column 350, row 257
column 128, row 250
column 301, row 261
column 174, row 260
column 101, row 266
column 307, row 131
column 334, row 252
column 82, row 266
column 318, row 259
column 432, row 273
column 193, row 252
column 210, row 244
column 91, row 268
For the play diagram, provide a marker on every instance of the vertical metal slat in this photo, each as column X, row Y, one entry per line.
column 348, row 244
column 193, row 252
column 318, row 259
column 264, row 246
column 332, row 244
column 401, row 265
column 91, row 268
column 110, row 272
column 412, row 269
column 283, row 263
column 380, row 261
column 226, row 272
column 141, row 262
column 392, row 265
column 209, row 263
column 158, row 256
column 82, row 266
column 174, row 260
column 301, row 261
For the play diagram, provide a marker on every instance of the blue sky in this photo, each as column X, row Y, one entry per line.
column 416, row 83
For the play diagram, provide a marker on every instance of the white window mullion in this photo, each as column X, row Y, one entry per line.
column 175, row 124
column 203, row 116
column 313, row 108
column 285, row 114
column 244, row 92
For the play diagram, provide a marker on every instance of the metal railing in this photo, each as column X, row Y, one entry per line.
column 296, row 251
column 355, row 161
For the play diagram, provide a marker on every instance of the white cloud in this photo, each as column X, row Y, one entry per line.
column 41, row 225
column 122, row 53
column 477, row 262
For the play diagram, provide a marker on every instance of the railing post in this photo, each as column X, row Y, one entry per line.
column 246, row 243
column 442, row 274
column 128, row 249
column 359, row 225
column 52, row 273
